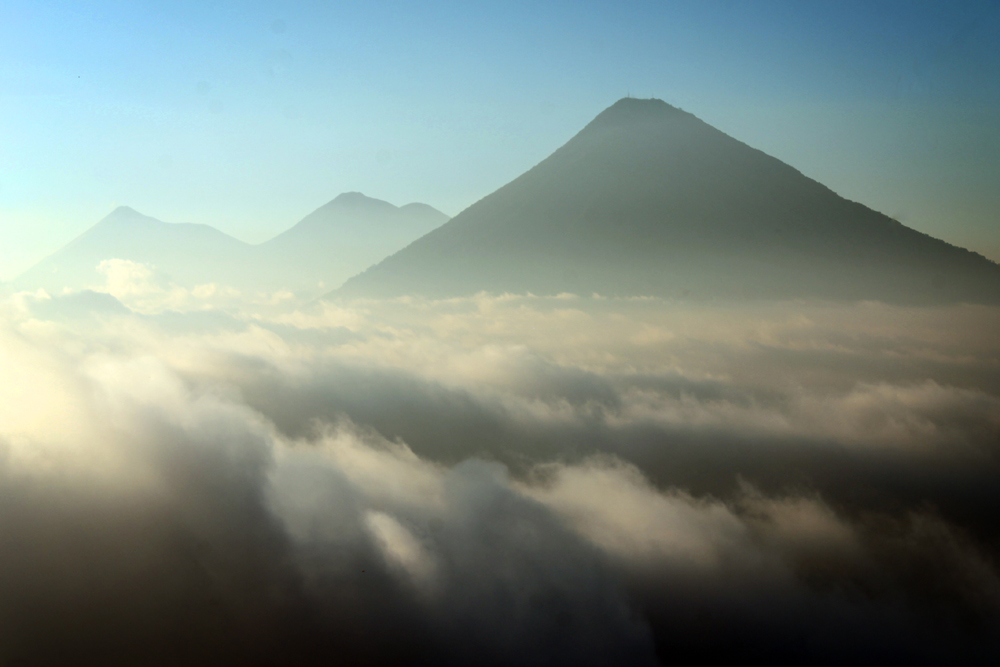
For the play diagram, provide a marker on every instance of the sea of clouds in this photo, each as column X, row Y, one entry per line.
column 204, row 477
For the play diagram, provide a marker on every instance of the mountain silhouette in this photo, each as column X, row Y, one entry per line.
column 329, row 245
column 649, row 200
column 344, row 237
column 187, row 254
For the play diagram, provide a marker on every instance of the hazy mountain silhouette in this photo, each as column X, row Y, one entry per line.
column 648, row 199
column 344, row 237
column 329, row 245
column 187, row 254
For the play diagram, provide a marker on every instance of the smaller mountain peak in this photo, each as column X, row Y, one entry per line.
column 354, row 202
column 356, row 199
column 125, row 214
column 419, row 207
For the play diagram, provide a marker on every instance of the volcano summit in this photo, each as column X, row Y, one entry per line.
column 649, row 200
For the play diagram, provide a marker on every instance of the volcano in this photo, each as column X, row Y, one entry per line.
column 322, row 250
column 341, row 238
column 649, row 200
column 188, row 254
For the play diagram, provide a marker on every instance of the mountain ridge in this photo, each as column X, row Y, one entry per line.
column 347, row 235
column 190, row 254
column 185, row 252
column 647, row 199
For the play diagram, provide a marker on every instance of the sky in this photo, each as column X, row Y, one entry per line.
column 247, row 116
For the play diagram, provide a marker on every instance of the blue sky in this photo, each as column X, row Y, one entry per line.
column 247, row 116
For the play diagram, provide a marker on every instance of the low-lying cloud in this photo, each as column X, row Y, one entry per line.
column 498, row 480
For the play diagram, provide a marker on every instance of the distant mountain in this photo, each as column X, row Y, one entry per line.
column 649, row 200
column 328, row 246
column 186, row 254
column 344, row 237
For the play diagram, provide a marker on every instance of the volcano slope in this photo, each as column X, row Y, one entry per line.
column 649, row 200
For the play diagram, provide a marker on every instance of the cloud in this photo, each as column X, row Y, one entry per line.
column 506, row 480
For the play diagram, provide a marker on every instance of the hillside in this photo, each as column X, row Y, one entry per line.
column 649, row 200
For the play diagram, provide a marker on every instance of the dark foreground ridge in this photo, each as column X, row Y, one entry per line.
column 649, row 200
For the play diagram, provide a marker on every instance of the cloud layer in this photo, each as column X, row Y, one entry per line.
column 499, row 480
